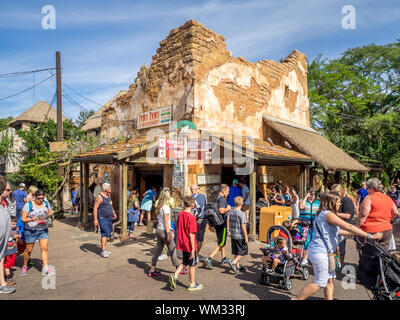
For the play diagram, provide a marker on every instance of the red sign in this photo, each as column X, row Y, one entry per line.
column 171, row 148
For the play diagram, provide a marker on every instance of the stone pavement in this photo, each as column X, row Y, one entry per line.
column 82, row 274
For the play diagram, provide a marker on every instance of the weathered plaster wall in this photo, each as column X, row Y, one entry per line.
column 14, row 158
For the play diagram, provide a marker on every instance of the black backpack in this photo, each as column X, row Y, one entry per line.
column 213, row 217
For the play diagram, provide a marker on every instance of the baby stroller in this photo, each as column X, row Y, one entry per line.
column 299, row 242
column 284, row 271
column 378, row 271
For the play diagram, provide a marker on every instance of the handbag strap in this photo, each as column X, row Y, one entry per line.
column 321, row 236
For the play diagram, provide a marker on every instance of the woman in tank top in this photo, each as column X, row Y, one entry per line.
column 327, row 229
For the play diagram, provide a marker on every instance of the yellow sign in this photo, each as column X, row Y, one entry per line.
column 58, row 146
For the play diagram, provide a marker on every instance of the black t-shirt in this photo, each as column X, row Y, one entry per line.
column 347, row 206
column 222, row 203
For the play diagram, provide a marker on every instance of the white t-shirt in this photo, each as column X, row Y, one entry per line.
column 164, row 210
column 41, row 213
column 246, row 190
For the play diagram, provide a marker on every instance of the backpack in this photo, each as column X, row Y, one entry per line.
column 213, row 217
column 197, row 209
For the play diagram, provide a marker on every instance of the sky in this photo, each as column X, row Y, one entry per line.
column 104, row 43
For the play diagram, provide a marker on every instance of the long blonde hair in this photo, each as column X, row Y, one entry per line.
column 163, row 200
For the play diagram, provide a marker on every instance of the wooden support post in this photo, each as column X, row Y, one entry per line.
column 253, row 186
column 80, row 195
column 85, row 219
column 302, row 187
column 326, row 179
column 123, row 205
column 348, row 179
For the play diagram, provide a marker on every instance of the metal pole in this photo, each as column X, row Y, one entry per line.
column 185, row 168
column 60, row 204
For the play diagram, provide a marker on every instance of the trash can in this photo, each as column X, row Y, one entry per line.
column 270, row 216
column 287, row 213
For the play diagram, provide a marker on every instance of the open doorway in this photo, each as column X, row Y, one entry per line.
column 148, row 179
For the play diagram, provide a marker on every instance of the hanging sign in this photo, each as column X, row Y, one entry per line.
column 171, row 148
column 154, row 118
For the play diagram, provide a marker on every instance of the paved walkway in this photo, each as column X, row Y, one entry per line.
column 82, row 274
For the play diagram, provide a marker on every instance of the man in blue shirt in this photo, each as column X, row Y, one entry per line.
column 20, row 198
column 308, row 211
column 234, row 192
column 199, row 208
column 361, row 193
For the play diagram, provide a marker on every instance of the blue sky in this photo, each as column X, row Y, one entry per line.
column 103, row 43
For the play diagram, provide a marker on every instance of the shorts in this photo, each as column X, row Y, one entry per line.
column 221, row 234
column 186, row 261
column 32, row 235
column 239, row 247
column 9, row 261
column 320, row 265
column 201, row 229
column 105, row 227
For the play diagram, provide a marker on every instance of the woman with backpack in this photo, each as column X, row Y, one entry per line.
column 36, row 217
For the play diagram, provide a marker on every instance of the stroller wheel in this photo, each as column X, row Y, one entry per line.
column 305, row 274
column 286, row 285
column 264, row 279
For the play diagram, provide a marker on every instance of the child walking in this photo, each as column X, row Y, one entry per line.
column 187, row 229
column 237, row 222
column 11, row 251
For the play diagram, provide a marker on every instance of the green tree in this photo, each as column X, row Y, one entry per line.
column 354, row 102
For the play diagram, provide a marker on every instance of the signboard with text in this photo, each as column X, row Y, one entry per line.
column 154, row 118
column 171, row 148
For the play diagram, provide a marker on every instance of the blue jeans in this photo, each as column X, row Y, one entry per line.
column 32, row 235
column 18, row 212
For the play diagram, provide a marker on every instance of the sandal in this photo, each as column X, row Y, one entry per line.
column 153, row 273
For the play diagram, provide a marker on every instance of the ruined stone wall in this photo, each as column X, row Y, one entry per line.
column 195, row 73
column 232, row 94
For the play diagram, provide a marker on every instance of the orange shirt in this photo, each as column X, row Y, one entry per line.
column 378, row 219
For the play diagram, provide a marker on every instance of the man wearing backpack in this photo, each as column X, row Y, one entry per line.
column 220, row 230
column 200, row 214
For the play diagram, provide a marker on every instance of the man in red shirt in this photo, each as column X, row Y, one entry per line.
column 186, row 242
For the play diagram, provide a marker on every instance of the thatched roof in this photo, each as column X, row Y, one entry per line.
column 94, row 122
column 38, row 113
column 310, row 142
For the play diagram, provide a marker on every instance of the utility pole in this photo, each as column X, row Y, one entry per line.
column 60, row 204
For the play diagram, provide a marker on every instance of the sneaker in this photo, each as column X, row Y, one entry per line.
column 162, row 257
column 140, row 224
column 185, row 271
column 153, row 273
column 201, row 258
column 47, row 272
column 233, row 266
column 24, row 271
column 225, row 260
column 108, row 252
column 195, row 286
column 242, row 269
column 6, row 289
column 304, row 263
column 104, row 254
column 172, row 281
column 208, row 263
column 11, row 281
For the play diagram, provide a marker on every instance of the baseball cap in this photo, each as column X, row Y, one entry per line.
column 22, row 185
column 235, row 181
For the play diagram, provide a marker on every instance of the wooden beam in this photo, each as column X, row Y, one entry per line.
column 85, row 219
column 253, row 186
column 123, row 205
column 128, row 153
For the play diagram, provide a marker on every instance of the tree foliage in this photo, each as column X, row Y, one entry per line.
column 82, row 117
column 355, row 102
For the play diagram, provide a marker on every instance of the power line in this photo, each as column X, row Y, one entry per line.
column 362, row 119
column 34, row 86
column 73, row 102
column 16, row 74
column 81, row 95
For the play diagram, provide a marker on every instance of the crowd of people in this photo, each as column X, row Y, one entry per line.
column 24, row 220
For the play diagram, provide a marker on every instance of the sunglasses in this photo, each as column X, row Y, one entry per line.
column 39, row 198
column 7, row 190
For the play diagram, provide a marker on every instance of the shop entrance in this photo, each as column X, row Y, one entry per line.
column 228, row 174
column 148, row 179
